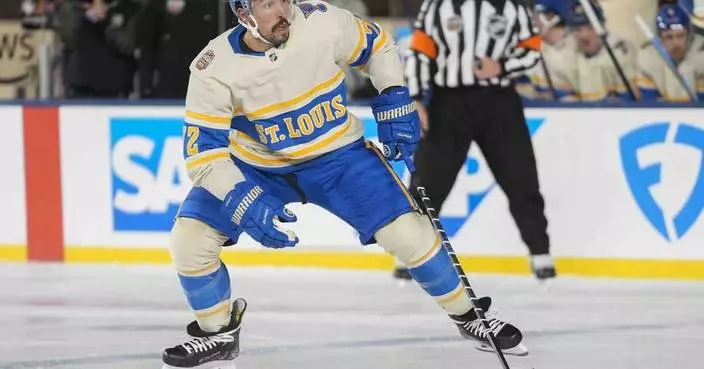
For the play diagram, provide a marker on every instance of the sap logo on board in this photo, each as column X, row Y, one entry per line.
column 149, row 178
column 663, row 164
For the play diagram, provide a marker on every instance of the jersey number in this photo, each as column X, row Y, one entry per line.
column 192, row 147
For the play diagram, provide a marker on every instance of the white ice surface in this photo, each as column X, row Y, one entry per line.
column 107, row 316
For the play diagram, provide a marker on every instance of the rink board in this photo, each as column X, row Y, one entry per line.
column 13, row 214
column 624, row 191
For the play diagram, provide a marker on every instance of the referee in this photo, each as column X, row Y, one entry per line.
column 465, row 54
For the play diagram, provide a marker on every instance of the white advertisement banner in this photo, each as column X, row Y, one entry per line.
column 13, row 217
column 124, row 178
column 617, row 183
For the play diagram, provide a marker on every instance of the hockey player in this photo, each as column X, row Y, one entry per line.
column 595, row 77
column 559, row 52
column 655, row 80
column 266, row 124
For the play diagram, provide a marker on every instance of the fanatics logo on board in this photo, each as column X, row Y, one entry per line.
column 205, row 60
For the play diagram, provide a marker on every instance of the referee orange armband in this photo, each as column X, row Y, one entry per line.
column 421, row 42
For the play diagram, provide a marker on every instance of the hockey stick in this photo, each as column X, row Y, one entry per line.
column 665, row 56
column 548, row 77
column 594, row 20
column 434, row 218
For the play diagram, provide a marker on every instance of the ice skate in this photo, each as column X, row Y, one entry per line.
column 402, row 273
column 209, row 350
column 543, row 267
column 507, row 335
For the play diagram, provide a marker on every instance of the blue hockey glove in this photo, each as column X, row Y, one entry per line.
column 258, row 214
column 398, row 123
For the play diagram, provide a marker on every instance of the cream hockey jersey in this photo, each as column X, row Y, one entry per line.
column 560, row 60
column 278, row 109
column 596, row 78
column 657, row 82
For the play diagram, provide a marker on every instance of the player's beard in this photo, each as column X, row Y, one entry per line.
column 276, row 40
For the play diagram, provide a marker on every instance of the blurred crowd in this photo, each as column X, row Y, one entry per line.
column 141, row 49
column 582, row 63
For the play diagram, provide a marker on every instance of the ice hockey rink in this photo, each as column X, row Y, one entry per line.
column 108, row 316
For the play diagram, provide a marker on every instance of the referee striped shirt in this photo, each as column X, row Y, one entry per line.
column 449, row 36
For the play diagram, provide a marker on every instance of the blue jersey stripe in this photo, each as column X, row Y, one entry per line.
column 299, row 126
column 197, row 139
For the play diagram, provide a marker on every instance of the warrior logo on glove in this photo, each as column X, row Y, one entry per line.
column 398, row 123
column 244, row 204
column 383, row 116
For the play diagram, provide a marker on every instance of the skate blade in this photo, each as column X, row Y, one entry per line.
column 545, row 284
column 230, row 364
column 518, row 350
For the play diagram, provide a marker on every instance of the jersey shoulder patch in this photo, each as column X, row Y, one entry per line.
column 205, row 59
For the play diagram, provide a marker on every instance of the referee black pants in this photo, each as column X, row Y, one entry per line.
column 493, row 118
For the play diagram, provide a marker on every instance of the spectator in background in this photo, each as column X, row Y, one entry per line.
column 171, row 33
column 559, row 53
column 655, row 79
column 99, row 36
column 595, row 77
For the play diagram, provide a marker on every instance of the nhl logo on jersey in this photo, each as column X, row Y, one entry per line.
column 498, row 25
column 205, row 60
column 272, row 55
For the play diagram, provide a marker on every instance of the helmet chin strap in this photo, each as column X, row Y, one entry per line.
column 254, row 30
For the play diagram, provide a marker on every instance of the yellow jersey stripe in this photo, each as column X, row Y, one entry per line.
column 677, row 98
column 360, row 44
column 207, row 157
column 208, row 269
column 246, row 137
column 380, row 42
column 313, row 92
column 294, row 155
column 456, row 293
column 208, row 118
column 420, row 261
column 221, row 307
column 393, row 173
column 596, row 95
column 202, row 124
column 645, row 82
column 243, row 153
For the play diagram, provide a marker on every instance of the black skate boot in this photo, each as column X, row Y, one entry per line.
column 209, row 350
column 402, row 273
column 543, row 267
column 507, row 336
